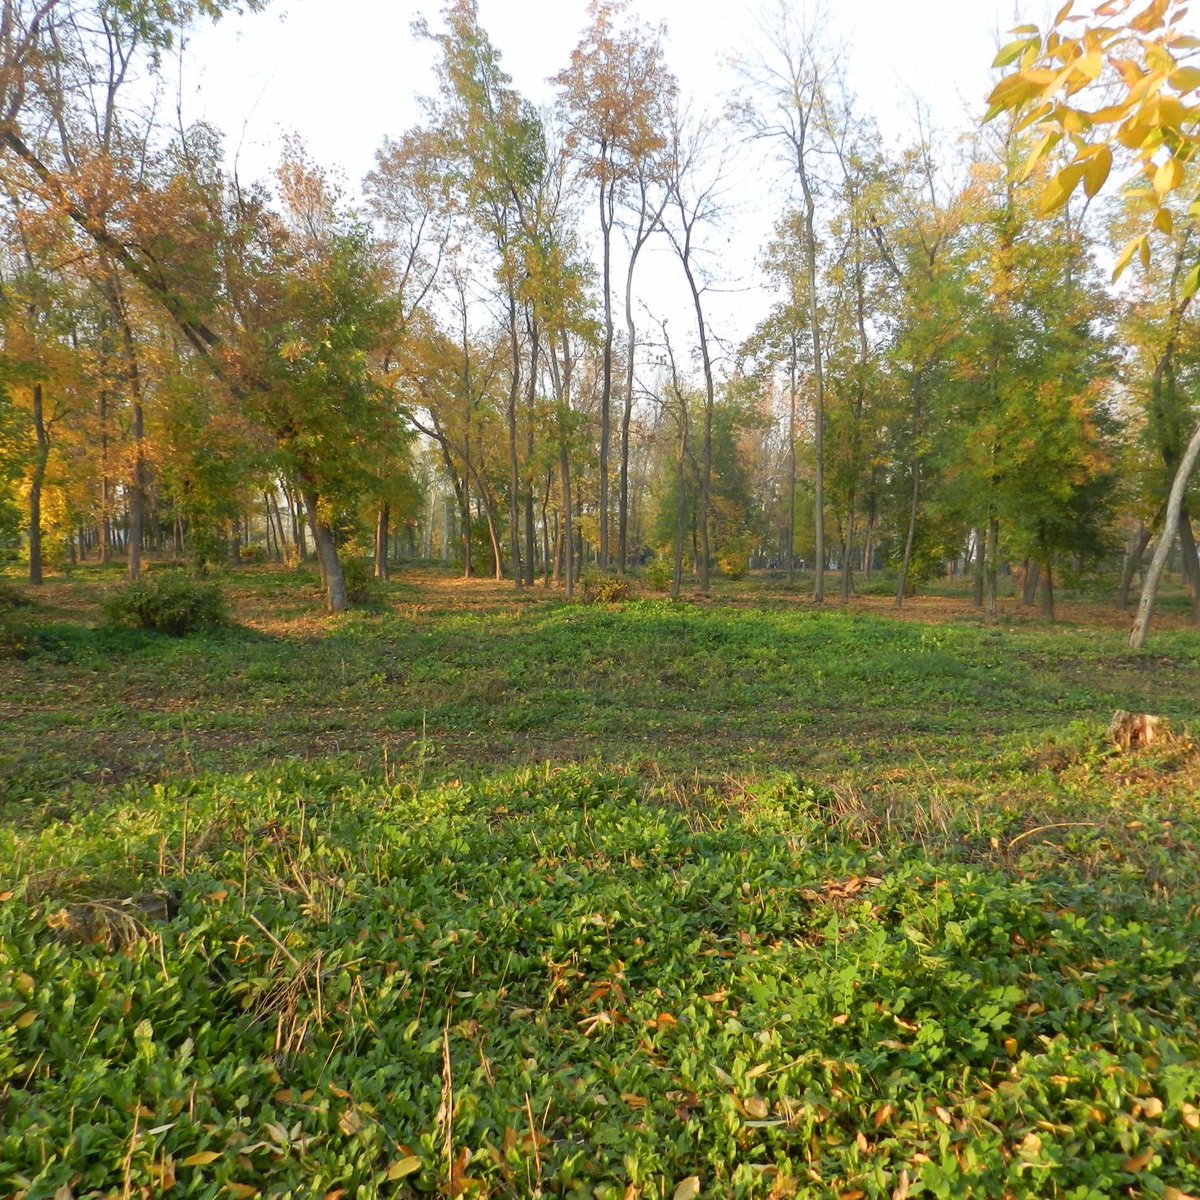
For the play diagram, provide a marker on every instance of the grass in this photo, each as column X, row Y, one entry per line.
column 483, row 894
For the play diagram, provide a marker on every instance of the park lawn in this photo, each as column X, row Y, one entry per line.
column 488, row 894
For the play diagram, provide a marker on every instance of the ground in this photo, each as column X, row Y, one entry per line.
column 477, row 892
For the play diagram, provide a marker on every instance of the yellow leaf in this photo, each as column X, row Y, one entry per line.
column 1010, row 53
column 1074, row 122
column 1096, row 173
column 1064, row 12
column 241, row 1191
column 403, row 1168
column 25, row 983
column 26, row 1019
column 1185, row 79
column 5, row 896
column 1152, row 1108
column 689, row 1189
column 840, row 1019
column 1109, row 114
column 1168, row 177
column 1173, row 1193
column 1040, row 150
column 755, row 1107
column 1126, row 256
column 201, row 1159
column 1090, row 65
column 1163, row 221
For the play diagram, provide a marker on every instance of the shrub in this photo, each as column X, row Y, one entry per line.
column 734, row 559
column 252, row 556
column 361, row 584
column 658, row 575
column 598, row 586
column 167, row 602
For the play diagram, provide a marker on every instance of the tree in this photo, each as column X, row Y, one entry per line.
column 693, row 185
column 788, row 107
column 618, row 95
column 1123, row 80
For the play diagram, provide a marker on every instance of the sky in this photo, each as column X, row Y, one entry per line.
column 344, row 74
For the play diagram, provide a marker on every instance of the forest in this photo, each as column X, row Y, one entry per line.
column 472, row 724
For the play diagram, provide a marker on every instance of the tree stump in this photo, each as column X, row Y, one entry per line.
column 1132, row 731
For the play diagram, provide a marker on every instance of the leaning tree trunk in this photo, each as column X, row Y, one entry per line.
column 1141, row 626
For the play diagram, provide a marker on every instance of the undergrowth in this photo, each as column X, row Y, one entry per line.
column 560, row 980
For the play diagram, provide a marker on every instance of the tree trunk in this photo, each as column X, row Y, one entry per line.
column 381, row 540
column 558, row 550
column 606, row 218
column 847, row 546
column 681, row 505
column 105, row 490
column 564, row 470
column 989, row 568
column 911, row 535
column 1029, row 590
column 1133, row 561
column 980, row 549
column 791, row 458
column 327, row 557
column 644, row 229
column 810, row 252
column 137, row 493
column 514, row 473
column 35, row 486
column 1141, row 626
column 1047, row 591
column 1191, row 565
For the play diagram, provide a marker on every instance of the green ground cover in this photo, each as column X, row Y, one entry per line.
column 735, row 899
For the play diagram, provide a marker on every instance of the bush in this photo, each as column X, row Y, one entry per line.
column 167, row 602
column 658, row 575
column 598, row 586
column 252, row 556
column 361, row 584
column 734, row 559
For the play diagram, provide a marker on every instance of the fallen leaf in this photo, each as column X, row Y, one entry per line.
column 200, row 1159
column 404, row 1167
column 840, row 1019
column 1139, row 1162
column 689, row 1189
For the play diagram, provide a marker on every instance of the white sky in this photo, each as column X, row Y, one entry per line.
column 345, row 73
